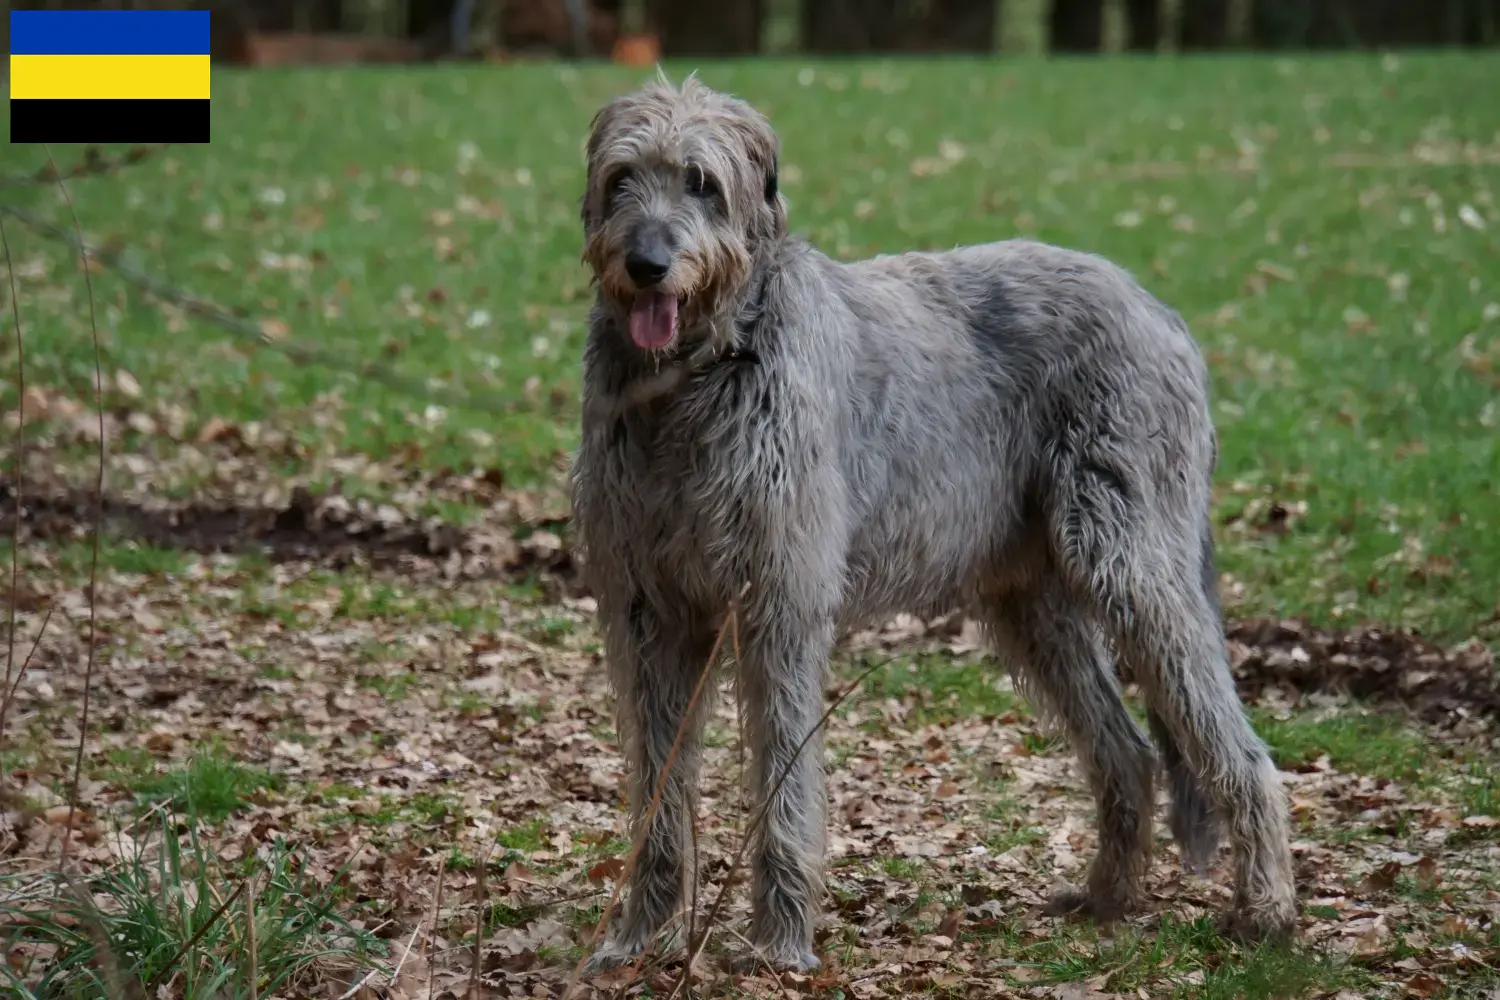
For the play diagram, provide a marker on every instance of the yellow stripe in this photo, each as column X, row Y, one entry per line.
column 93, row 77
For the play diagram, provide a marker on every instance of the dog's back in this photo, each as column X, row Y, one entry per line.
column 965, row 375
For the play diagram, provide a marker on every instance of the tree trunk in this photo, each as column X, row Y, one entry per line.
column 323, row 15
column 695, row 28
column 843, row 27
column 1205, row 25
column 1481, row 25
column 1398, row 23
column 1142, row 25
column 1280, row 24
column 1076, row 25
column 962, row 25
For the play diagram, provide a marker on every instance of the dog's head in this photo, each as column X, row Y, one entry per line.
column 681, row 199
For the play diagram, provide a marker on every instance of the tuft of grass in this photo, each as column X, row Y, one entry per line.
column 211, row 785
column 391, row 687
column 1010, row 828
column 1178, row 958
column 149, row 925
column 941, row 688
column 1273, row 973
column 900, row 867
column 524, row 838
column 1382, row 746
column 1481, row 788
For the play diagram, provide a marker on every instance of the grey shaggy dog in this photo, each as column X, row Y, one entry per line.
column 1012, row 429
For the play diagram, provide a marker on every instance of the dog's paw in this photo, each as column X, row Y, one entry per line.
column 788, row 960
column 609, row 956
column 1256, row 924
column 1083, row 904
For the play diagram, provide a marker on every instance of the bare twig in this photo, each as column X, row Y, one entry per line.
column 363, row 980
column 92, row 164
column 759, row 957
column 396, row 973
column 249, row 331
column 15, row 524
column 252, row 974
column 88, row 675
column 187, row 945
column 109, row 968
column 650, row 814
column 15, row 684
column 764, row 808
column 437, row 911
column 479, row 892
column 692, row 914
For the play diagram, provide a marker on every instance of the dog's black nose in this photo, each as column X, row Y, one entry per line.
column 649, row 258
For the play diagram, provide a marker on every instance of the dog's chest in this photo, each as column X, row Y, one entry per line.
column 684, row 488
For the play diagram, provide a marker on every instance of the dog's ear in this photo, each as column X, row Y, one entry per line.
column 600, row 133
column 763, row 149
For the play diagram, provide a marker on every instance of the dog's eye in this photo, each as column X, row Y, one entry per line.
column 699, row 184
column 617, row 182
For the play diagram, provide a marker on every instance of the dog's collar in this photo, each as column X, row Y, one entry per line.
column 744, row 323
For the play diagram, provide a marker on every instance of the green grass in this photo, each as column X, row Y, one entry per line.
column 1381, row 746
column 524, row 838
column 941, row 688
column 116, row 553
column 380, row 214
column 1176, row 958
column 211, row 785
column 1480, row 784
column 157, row 912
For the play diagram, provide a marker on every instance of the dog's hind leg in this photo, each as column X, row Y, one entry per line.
column 1058, row 657
column 654, row 667
column 1193, row 823
column 1138, row 556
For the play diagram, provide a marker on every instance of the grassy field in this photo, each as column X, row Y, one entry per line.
column 1328, row 227
column 1324, row 225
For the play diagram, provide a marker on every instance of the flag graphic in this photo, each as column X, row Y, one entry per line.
column 109, row 76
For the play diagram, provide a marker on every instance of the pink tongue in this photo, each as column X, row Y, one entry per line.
column 653, row 320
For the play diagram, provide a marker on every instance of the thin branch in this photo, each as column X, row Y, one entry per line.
column 88, row 675
column 14, row 686
column 650, row 815
column 15, row 524
column 187, row 945
column 396, row 974
column 759, row 957
column 93, row 164
column 252, row 974
column 480, row 894
column 437, row 913
column 248, row 331
column 109, row 969
column 764, row 809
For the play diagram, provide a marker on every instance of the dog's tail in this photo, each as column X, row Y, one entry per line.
column 1194, row 824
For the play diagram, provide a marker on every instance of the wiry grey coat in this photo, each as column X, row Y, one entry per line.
column 1013, row 429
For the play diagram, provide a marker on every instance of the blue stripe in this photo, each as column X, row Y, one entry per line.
column 109, row 33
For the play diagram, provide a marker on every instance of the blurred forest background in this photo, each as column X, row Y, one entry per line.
column 269, row 32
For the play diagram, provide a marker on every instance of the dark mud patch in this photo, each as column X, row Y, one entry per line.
column 1369, row 662
column 330, row 530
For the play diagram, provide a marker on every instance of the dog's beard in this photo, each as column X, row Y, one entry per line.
column 653, row 320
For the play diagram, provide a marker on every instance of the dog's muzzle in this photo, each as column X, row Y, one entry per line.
column 653, row 314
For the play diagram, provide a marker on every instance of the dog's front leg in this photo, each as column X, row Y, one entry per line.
column 781, row 683
column 654, row 666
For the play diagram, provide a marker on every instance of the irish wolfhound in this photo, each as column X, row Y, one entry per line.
column 1013, row 428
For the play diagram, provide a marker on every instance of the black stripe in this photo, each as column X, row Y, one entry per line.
column 109, row 121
